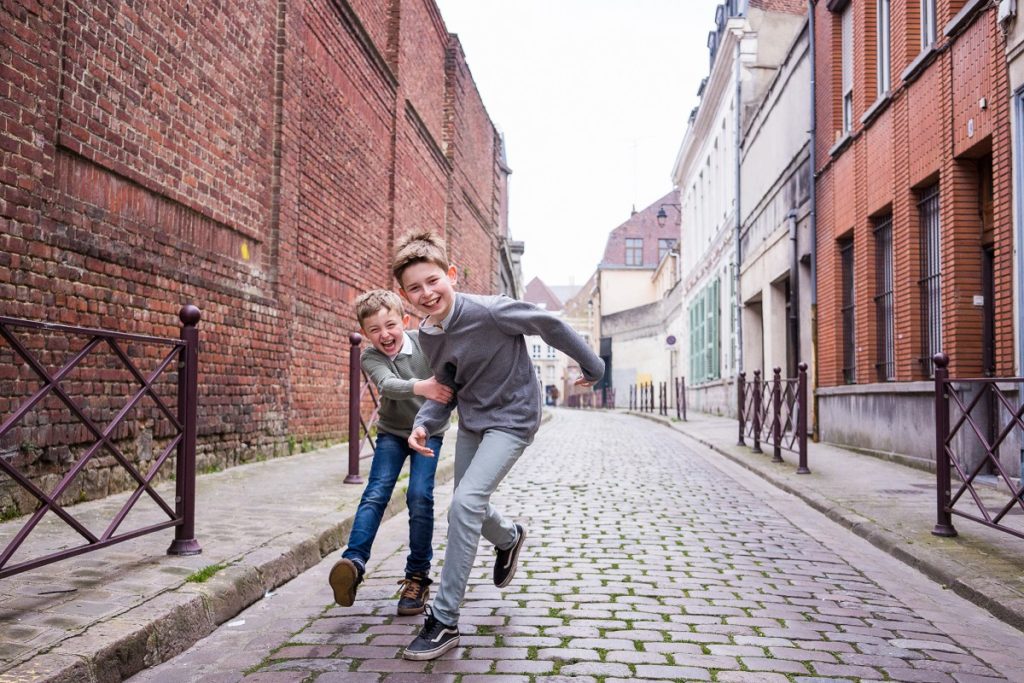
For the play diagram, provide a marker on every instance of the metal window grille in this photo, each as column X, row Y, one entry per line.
column 849, row 341
column 931, row 276
column 634, row 251
column 883, row 299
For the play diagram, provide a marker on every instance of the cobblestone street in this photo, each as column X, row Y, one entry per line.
column 648, row 558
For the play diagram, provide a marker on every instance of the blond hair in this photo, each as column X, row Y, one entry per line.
column 375, row 300
column 419, row 246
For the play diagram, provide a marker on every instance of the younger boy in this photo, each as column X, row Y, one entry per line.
column 476, row 344
column 398, row 368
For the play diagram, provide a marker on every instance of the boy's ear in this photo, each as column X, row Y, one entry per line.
column 453, row 274
column 405, row 319
column 401, row 293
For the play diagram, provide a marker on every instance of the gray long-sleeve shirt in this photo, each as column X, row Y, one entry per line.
column 394, row 379
column 482, row 354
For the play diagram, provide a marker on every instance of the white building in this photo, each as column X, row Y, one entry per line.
column 746, row 48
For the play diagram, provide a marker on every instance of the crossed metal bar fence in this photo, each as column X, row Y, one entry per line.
column 184, row 352
column 948, row 396
column 775, row 413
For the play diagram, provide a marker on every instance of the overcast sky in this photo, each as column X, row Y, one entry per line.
column 592, row 97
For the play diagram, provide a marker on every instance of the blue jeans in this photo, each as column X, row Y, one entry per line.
column 388, row 458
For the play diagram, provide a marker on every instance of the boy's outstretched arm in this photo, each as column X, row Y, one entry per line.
column 519, row 317
column 387, row 382
column 434, row 390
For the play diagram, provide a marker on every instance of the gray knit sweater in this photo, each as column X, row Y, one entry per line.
column 482, row 355
column 394, row 379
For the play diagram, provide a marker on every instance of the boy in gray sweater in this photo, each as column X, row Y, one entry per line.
column 475, row 344
column 400, row 370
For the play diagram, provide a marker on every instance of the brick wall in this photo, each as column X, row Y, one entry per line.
column 931, row 129
column 256, row 159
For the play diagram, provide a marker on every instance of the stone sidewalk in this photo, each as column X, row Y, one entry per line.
column 893, row 507
column 108, row 614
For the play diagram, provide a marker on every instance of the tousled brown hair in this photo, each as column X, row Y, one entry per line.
column 419, row 246
column 370, row 302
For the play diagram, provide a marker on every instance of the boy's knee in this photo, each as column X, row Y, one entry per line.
column 467, row 503
column 420, row 499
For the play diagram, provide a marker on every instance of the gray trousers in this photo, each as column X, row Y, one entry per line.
column 481, row 462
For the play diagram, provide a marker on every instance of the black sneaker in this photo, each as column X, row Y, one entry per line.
column 506, row 560
column 415, row 593
column 433, row 641
column 345, row 576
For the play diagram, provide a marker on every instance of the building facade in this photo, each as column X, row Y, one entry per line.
column 914, row 204
column 548, row 362
column 255, row 159
column 775, row 232
column 749, row 42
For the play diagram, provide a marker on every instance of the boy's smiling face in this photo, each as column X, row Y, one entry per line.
column 429, row 288
column 386, row 330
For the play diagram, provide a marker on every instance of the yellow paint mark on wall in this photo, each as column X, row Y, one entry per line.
column 245, row 251
column 644, row 378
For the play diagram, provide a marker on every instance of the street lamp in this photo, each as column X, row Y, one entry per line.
column 662, row 216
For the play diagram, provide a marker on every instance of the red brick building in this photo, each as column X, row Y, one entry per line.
column 256, row 159
column 914, row 234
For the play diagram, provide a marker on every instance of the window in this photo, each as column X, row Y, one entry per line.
column 846, row 22
column 931, row 276
column 634, row 251
column 704, row 334
column 883, row 299
column 535, row 351
column 883, row 59
column 664, row 246
column 849, row 340
column 551, row 352
column 927, row 23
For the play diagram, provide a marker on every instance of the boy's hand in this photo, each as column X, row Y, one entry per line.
column 434, row 390
column 418, row 442
column 583, row 382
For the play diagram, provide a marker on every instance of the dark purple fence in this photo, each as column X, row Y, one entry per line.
column 976, row 424
column 597, row 398
column 775, row 413
column 183, row 355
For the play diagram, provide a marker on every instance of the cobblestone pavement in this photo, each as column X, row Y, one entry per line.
column 647, row 559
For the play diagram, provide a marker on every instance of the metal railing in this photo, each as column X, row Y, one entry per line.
column 775, row 413
column 598, row 398
column 183, row 352
column 975, row 506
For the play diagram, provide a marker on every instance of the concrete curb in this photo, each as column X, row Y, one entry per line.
column 179, row 617
column 978, row 590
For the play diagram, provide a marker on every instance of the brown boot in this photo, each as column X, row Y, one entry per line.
column 415, row 594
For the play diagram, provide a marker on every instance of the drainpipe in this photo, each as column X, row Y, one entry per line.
column 813, row 220
column 794, row 285
column 738, row 307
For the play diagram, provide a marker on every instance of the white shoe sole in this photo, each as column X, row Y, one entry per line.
column 431, row 654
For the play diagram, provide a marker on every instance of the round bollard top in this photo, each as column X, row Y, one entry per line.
column 189, row 315
column 940, row 359
column 355, row 339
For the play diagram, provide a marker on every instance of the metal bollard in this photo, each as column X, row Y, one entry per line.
column 354, row 377
column 777, row 415
column 185, row 542
column 757, row 412
column 801, row 419
column 943, row 518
